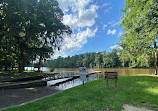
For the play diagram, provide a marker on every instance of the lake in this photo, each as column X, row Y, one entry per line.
column 75, row 82
column 120, row 71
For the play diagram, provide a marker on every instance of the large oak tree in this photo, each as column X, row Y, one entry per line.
column 140, row 34
column 34, row 29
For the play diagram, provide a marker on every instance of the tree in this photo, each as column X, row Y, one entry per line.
column 107, row 59
column 124, row 58
column 32, row 27
column 98, row 59
column 140, row 34
column 115, row 59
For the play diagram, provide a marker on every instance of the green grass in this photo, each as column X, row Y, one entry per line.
column 29, row 71
column 14, row 75
column 28, row 74
column 139, row 91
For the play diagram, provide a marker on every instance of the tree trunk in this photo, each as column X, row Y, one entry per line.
column 6, row 63
column 12, row 67
column 19, row 67
column 23, row 67
column 156, row 58
column 40, row 59
column 6, row 67
column 21, row 63
column 156, row 62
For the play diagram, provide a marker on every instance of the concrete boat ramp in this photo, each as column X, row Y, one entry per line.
column 55, row 82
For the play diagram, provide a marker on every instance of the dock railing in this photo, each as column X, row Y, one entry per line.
column 67, row 74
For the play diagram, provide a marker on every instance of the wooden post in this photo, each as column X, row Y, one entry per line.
column 107, row 83
column 115, row 83
column 83, row 82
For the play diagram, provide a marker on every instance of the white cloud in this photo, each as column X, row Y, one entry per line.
column 116, row 47
column 80, row 16
column 75, row 5
column 104, row 5
column 107, row 10
column 120, row 47
column 83, row 18
column 120, row 33
column 104, row 26
column 59, row 53
column 111, row 32
column 113, row 47
column 114, row 23
column 76, row 42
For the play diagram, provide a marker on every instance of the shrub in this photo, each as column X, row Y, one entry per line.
column 51, row 69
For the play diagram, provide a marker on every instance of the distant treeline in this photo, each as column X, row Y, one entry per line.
column 116, row 58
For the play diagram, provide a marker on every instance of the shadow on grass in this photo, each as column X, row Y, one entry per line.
column 140, row 90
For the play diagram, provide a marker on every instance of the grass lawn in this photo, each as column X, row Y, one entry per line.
column 7, row 76
column 139, row 91
column 29, row 74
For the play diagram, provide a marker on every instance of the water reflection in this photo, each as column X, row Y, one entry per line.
column 76, row 82
column 120, row 71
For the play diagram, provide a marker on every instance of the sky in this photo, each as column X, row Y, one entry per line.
column 95, row 26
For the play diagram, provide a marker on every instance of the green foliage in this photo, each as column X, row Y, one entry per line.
column 140, row 34
column 51, row 69
column 29, row 30
column 116, row 58
column 100, row 59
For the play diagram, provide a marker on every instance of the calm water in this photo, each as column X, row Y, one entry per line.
column 120, row 71
column 76, row 82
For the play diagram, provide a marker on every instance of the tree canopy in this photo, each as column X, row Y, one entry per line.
column 104, row 59
column 140, row 34
column 30, row 30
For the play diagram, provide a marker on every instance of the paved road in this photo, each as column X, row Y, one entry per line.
column 12, row 97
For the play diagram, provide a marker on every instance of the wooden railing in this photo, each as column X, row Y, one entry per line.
column 64, row 74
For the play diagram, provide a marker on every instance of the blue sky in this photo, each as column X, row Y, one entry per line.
column 95, row 25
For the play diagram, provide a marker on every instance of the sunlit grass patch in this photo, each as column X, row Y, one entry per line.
column 153, row 90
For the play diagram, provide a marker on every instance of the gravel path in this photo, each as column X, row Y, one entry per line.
column 127, row 107
column 12, row 97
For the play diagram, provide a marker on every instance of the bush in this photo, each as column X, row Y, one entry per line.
column 51, row 69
